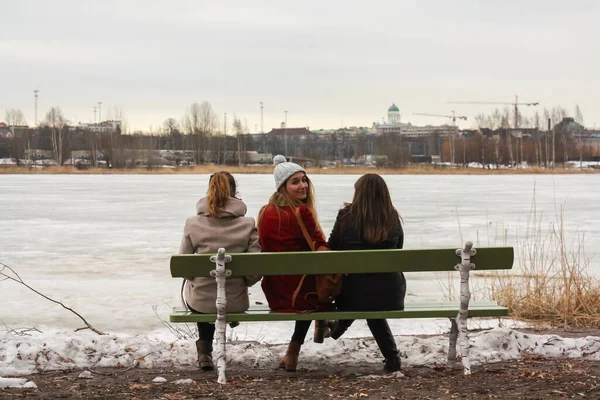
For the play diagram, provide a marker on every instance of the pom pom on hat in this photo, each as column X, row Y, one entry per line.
column 284, row 169
column 279, row 159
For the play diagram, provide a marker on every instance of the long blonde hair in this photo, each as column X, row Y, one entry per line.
column 282, row 198
column 221, row 187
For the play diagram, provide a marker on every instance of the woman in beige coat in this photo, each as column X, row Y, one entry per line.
column 220, row 222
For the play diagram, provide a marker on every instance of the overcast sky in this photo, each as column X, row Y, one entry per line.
column 330, row 63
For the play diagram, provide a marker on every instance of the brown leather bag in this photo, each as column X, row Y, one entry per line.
column 329, row 286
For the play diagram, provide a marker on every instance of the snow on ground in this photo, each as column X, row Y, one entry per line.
column 18, row 383
column 63, row 350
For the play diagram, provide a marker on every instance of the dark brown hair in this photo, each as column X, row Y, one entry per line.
column 221, row 187
column 372, row 209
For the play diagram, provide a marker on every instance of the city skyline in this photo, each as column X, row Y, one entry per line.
column 333, row 65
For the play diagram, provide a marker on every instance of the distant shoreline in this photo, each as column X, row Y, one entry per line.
column 268, row 169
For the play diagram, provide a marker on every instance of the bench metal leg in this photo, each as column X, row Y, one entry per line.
column 453, row 337
column 465, row 295
column 220, row 274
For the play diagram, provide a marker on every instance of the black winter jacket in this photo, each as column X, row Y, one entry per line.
column 370, row 291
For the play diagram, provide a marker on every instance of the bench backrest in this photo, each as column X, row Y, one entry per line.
column 331, row 262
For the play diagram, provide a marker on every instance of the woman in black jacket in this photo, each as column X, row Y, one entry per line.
column 370, row 222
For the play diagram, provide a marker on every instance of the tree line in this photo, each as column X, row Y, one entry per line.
column 548, row 137
column 198, row 137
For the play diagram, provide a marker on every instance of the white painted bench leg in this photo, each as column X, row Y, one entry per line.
column 220, row 274
column 465, row 295
column 453, row 337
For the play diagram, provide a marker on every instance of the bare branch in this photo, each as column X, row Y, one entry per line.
column 19, row 331
column 19, row 280
column 180, row 333
column 56, row 121
column 14, row 117
column 101, row 373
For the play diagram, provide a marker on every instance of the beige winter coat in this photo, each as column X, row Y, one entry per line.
column 205, row 234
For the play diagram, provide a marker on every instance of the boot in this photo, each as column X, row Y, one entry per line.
column 290, row 360
column 322, row 331
column 338, row 329
column 392, row 364
column 204, row 348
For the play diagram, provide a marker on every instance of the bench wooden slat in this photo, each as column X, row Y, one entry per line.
column 439, row 310
column 330, row 262
column 411, row 305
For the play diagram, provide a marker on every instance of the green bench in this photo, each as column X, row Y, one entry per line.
column 464, row 260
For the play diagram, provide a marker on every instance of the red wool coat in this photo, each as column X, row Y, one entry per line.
column 279, row 231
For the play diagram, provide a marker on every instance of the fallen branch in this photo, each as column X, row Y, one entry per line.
column 17, row 278
column 100, row 373
column 19, row 331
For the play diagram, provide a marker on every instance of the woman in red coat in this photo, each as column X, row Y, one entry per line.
column 278, row 231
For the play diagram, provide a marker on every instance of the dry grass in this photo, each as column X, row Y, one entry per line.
column 425, row 169
column 553, row 284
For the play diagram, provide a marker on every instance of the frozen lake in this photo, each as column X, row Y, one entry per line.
column 101, row 243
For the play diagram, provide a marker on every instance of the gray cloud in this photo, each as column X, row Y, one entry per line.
column 325, row 62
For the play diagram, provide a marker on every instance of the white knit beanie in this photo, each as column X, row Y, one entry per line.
column 283, row 170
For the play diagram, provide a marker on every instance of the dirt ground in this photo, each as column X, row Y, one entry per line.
column 532, row 377
column 529, row 378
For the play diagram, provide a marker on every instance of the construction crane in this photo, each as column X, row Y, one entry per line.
column 452, row 117
column 516, row 105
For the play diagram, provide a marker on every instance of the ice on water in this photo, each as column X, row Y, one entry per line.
column 101, row 243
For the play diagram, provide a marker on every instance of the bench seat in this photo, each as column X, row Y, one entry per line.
column 411, row 310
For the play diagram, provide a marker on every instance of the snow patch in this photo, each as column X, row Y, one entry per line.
column 85, row 375
column 66, row 350
column 183, row 382
column 393, row 375
column 17, row 383
column 30, row 385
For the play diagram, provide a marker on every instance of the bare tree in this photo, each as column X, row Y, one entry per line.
column 505, row 124
column 14, row 117
column 201, row 118
column 536, row 140
column 238, row 128
column 148, row 144
column 191, row 120
column 170, row 128
column 209, row 121
column 546, row 120
column 580, row 121
column 94, row 146
column 15, row 120
column 200, row 121
column 56, row 121
column 480, row 123
column 497, row 119
column 117, row 114
column 191, row 123
column 558, row 114
column 170, row 125
column 113, row 147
